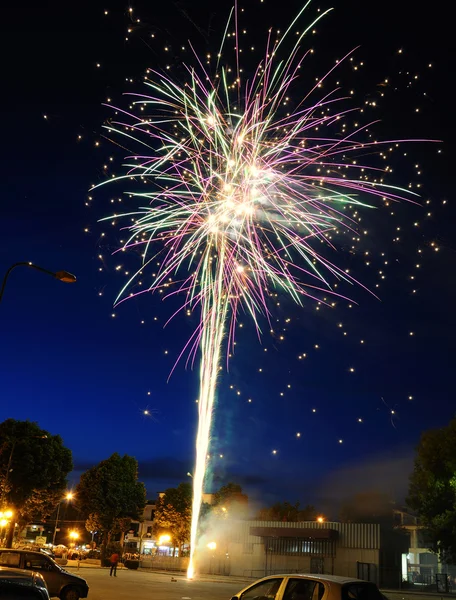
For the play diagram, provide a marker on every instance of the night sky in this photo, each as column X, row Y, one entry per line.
column 88, row 372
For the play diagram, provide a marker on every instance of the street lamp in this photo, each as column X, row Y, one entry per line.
column 163, row 539
column 74, row 535
column 60, row 275
column 69, row 496
column 5, row 519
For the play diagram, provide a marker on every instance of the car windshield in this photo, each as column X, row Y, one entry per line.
column 361, row 591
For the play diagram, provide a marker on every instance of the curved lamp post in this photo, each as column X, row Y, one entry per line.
column 60, row 275
column 69, row 496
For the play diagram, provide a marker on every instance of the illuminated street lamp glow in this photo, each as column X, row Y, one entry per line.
column 212, row 545
column 163, row 539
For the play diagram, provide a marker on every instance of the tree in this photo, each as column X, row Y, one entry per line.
column 284, row 511
column 38, row 507
column 33, row 468
column 92, row 523
column 180, row 498
column 432, row 489
column 111, row 491
column 230, row 499
column 173, row 514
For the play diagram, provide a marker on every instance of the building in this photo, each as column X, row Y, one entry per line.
column 420, row 565
column 259, row 548
column 140, row 538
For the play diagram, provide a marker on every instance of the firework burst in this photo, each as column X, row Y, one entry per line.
column 244, row 185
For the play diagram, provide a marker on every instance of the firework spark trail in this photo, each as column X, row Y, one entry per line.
column 244, row 191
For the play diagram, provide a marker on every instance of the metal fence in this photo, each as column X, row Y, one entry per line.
column 165, row 563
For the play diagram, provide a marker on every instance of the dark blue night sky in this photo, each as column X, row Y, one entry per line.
column 68, row 364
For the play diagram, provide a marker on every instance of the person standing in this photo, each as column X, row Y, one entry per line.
column 114, row 562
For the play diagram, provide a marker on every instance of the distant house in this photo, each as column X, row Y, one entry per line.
column 140, row 538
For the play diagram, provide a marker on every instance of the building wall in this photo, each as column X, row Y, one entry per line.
column 243, row 554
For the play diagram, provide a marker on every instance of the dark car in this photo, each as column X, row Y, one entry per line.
column 60, row 583
column 18, row 584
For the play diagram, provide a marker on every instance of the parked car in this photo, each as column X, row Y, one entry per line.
column 60, row 583
column 18, row 584
column 310, row 587
column 36, row 548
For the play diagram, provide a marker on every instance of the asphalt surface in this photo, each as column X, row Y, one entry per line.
column 142, row 585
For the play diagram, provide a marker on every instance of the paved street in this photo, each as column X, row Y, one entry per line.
column 142, row 585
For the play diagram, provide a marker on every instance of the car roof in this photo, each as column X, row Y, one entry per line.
column 21, row 550
column 11, row 572
column 329, row 578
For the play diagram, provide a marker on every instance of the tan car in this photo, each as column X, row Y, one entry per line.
column 310, row 587
column 60, row 583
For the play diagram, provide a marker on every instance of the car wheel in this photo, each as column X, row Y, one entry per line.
column 70, row 593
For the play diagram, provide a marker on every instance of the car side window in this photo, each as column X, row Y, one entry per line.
column 10, row 559
column 35, row 562
column 303, row 589
column 265, row 590
column 361, row 591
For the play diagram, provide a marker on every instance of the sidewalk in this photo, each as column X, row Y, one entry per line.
column 73, row 565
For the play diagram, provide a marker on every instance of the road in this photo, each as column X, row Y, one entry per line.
column 142, row 585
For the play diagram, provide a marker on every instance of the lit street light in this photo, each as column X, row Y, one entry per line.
column 5, row 518
column 60, row 275
column 212, row 545
column 68, row 497
column 163, row 539
column 74, row 535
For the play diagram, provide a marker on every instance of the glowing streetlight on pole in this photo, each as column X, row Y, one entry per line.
column 164, row 539
column 5, row 518
column 60, row 275
column 68, row 496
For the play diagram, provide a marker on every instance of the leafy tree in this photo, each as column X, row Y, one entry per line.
column 111, row 491
column 92, row 523
column 229, row 499
column 432, row 490
column 38, row 507
column 173, row 514
column 284, row 511
column 368, row 507
column 33, row 468
column 176, row 523
column 180, row 498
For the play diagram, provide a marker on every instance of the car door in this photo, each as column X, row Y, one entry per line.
column 35, row 561
column 301, row 588
column 268, row 589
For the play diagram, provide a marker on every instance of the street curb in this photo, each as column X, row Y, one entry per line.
column 179, row 574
